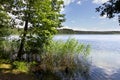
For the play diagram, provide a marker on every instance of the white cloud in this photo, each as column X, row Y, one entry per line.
column 79, row 2
column 67, row 2
column 65, row 27
column 103, row 17
column 62, row 10
column 99, row 1
column 115, row 19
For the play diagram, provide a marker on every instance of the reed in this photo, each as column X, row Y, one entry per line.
column 7, row 47
column 60, row 54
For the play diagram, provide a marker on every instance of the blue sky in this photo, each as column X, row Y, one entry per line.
column 81, row 15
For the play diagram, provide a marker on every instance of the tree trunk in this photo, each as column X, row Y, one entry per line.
column 20, row 52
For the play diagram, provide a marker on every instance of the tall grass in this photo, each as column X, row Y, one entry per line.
column 7, row 47
column 60, row 54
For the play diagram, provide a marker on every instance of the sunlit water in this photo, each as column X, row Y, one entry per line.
column 104, row 55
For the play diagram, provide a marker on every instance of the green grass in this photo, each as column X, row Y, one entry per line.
column 60, row 54
column 56, row 56
column 7, row 47
column 20, row 66
column 8, row 73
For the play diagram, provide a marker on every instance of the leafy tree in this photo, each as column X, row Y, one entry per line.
column 4, row 24
column 40, row 18
column 110, row 8
column 4, row 21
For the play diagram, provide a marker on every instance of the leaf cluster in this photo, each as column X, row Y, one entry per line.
column 110, row 8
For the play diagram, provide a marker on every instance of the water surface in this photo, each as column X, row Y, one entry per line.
column 104, row 55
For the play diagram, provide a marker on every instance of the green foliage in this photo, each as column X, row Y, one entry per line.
column 33, row 63
column 7, row 47
column 38, row 17
column 15, row 31
column 110, row 8
column 4, row 21
column 21, row 66
column 61, row 54
column 4, row 61
column 45, row 20
column 41, row 18
column 70, row 47
column 4, row 29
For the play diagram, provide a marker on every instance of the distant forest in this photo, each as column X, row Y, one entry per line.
column 70, row 31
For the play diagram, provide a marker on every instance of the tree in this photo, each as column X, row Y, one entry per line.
column 4, row 25
column 40, row 18
column 110, row 8
column 4, row 21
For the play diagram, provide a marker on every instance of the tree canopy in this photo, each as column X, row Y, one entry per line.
column 39, row 18
column 111, row 8
column 4, row 21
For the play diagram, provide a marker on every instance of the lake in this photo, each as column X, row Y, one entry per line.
column 104, row 55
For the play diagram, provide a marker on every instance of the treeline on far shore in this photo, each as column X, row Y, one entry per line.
column 71, row 31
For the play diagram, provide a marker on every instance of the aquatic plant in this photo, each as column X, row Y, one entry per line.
column 61, row 54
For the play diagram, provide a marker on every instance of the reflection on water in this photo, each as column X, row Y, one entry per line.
column 105, row 55
column 80, row 72
column 97, row 73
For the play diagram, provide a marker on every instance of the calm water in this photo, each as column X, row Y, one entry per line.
column 104, row 55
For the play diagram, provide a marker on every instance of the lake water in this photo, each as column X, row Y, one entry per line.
column 104, row 55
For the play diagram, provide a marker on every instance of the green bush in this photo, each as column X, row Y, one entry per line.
column 7, row 47
column 21, row 66
column 61, row 54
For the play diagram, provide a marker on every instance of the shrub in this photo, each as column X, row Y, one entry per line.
column 60, row 54
column 21, row 66
column 7, row 47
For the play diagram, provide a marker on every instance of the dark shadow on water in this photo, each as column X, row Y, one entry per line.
column 61, row 76
column 79, row 73
column 94, row 73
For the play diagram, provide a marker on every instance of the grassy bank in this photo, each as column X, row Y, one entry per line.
column 7, row 72
column 59, row 56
